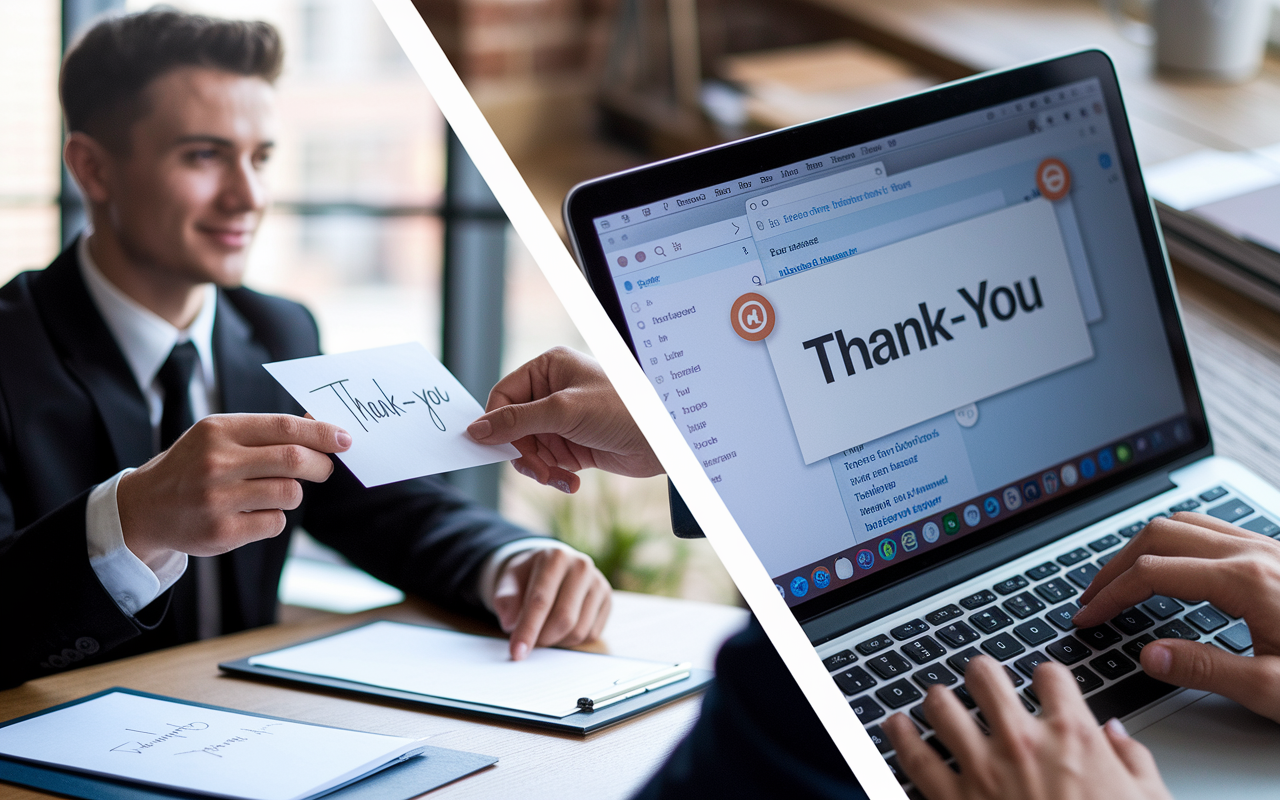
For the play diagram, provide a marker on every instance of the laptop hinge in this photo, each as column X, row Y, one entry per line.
column 942, row 577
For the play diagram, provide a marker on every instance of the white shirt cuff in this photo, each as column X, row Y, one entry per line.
column 130, row 581
column 488, row 581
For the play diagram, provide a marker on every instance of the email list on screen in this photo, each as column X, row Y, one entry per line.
column 868, row 354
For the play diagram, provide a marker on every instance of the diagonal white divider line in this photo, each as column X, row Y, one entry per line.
column 542, row 241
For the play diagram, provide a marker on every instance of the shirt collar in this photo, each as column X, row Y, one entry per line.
column 145, row 338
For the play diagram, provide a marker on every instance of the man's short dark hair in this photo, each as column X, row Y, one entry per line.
column 106, row 72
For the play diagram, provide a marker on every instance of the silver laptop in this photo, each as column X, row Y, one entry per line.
column 930, row 355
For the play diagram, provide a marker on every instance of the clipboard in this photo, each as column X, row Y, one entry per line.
column 432, row 768
column 582, row 721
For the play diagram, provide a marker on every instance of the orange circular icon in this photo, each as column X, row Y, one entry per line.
column 1053, row 179
column 752, row 317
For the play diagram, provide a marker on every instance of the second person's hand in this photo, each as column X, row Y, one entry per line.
column 1198, row 557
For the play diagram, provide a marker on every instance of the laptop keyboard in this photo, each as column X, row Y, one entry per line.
column 1025, row 620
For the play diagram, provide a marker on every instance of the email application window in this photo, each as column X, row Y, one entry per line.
column 871, row 357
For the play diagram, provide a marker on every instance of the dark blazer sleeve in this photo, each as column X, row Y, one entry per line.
column 757, row 736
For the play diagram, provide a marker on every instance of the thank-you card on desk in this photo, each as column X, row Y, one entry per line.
column 406, row 413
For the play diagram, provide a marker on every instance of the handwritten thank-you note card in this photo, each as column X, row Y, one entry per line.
column 407, row 414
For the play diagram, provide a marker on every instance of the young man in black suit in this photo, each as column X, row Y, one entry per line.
column 148, row 463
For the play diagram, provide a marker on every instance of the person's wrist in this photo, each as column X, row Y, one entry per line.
column 133, row 522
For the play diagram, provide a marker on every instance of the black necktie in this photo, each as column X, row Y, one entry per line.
column 175, row 379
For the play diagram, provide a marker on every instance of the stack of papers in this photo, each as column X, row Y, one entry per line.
column 194, row 748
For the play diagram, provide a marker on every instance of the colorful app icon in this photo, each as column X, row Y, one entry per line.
column 844, row 569
column 1105, row 460
column 992, row 506
column 972, row 516
column 909, row 541
column 888, row 549
column 1053, row 179
column 627, row 285
column 1050, row 481
column 752, row 317
column 1124, row 453
column 1069, row 475
column 950, row 523
column 799, row 586
column 1031, row 491
column 821, row 577
column 781, row 591
column 930, row 532
column 1087, row 468
column 1012, row 498
column 866, row 559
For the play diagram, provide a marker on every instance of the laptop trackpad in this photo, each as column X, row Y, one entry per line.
column 1216, row 748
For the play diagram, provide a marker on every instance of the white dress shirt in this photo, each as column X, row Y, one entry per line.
column 146, row 341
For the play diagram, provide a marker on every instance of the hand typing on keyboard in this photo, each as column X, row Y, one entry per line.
column 1202, row 558
column 1061, row 754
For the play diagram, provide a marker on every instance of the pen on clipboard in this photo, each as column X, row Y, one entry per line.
column 638, row 686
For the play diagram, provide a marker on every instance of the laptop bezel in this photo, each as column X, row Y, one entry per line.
column 610, row 194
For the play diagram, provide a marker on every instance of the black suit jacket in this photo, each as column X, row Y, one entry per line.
column 71, row 416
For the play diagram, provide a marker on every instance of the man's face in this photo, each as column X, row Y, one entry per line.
column 189, row 195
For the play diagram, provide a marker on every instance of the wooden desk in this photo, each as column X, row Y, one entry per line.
column 613, row 763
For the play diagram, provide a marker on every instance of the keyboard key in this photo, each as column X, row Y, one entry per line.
column 960, row 661
column 1207, row 618
column 1162, row 607
column 1014, row 678
column 1105, row 543
column 1086, row 680
column 1158, row 515
column 1010, row 586
column 944, row 614
column 879, row 739
column 1190, row 504
column 888, row 665
column 1231, row 511
column 1130, row 531
column 866, row 709
column 957, row 634
column 1043, row 571
column 1068, row 650
column 1023, row 605
column 1176, row 629
column 934, row 673
column 1082, row 575
column 898, row 694
column 964, row 696
column 921, row 720
column 1035, row 632
column 991, row 620
column 1213, row 494
column 842, row 659
column 1062, row 616
column 854, row 680
column 1131, row 621
column 1056, row 590
column 924, row 650
column 1027, row 664
column 908, row 629
column 875, row 645
column 1112, row 665
column 1127, row 696
column 1103, row 560
column 1074, row 557
column 1236, row 638
column 939, row 747
column 1002, row 647
column 896, row 769
column 1134, row 648
column 1262, row 525
column 978, row 599
column 1099, row 637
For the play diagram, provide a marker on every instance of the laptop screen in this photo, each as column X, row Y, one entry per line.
column 889, row 352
